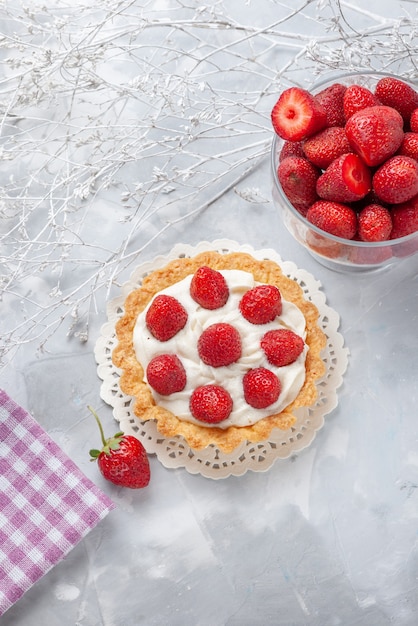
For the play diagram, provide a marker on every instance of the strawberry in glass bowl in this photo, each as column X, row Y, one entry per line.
column 345, row 169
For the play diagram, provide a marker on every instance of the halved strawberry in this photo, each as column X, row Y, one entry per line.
column 334, row 218
column 322, row 148
column 347, row 179
column 396, row 93
column 396, row 180
column 297, row 115
column 358, row 97
column 298, row 177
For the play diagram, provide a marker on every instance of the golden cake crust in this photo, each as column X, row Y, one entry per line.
column 132, row 373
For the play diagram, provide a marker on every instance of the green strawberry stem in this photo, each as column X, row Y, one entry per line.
column 108, row 444
column 96, row 417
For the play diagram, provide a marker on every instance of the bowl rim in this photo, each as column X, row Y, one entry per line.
column 334, row 74
column 274, row 154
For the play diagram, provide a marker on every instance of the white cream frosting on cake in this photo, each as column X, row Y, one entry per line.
column 184, row 345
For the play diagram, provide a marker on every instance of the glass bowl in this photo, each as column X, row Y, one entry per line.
column 339, row 254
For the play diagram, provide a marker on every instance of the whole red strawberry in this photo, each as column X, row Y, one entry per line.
column 413, row 122
column 208, row 288
column 298, row 177
column 165, row 317
column 347, row 179
column 219, row 345
column 211, row 404
column 358, row 97
column 324, row 147
column 333, row 217
column 395, row 93
column 369, row 256
column 409, row 145
column 122, row 460
column 396, row 180
column 322, row 244
column 331, row 100
column 374, row 223
column 297, row 115
column 261, row 387
column 375, row 133
column 405, row 222
column 282, row 346
column 291, row 148
column 261, row 304
column 166, row 374
column 404, row 218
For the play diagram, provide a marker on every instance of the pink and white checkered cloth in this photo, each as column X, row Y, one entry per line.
column 47, row 505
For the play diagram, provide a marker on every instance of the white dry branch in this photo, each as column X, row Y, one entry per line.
column 140, row 114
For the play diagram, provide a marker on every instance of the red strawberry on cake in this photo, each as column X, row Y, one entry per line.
column 219, row 345
column 208, row 288
column 261, row 304
column 211, row 404
column 166, row 317
column 261, row 387
column 166, row 374
column 282, row 347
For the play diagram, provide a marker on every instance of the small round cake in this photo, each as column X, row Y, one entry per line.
column 220, row 349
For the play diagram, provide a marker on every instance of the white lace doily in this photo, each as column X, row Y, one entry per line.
column 211, row 462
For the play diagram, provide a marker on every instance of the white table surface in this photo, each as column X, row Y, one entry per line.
column 129, row 128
